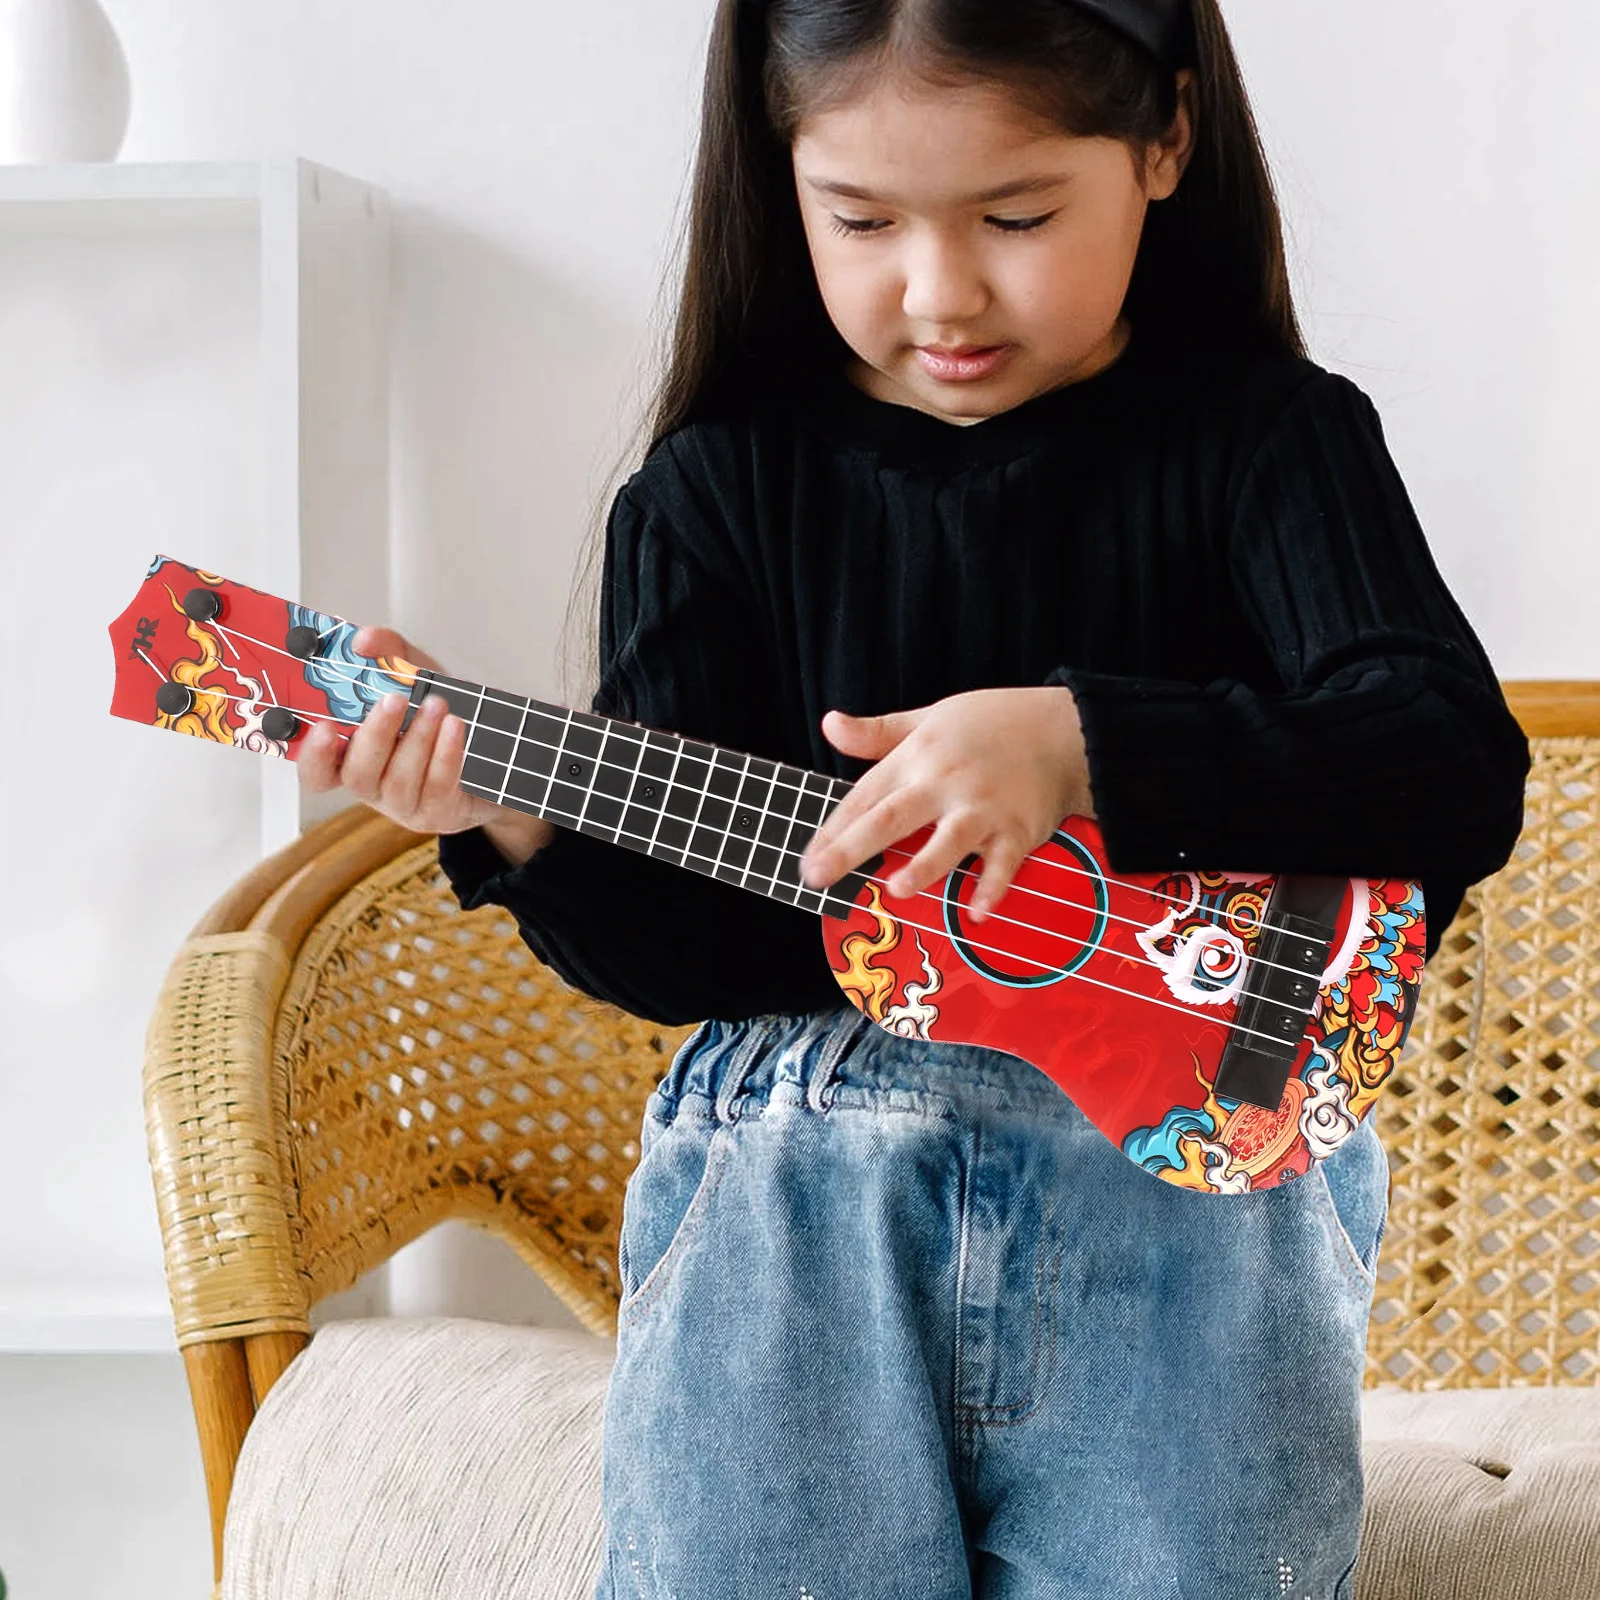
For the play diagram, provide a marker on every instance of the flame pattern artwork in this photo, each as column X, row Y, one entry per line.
column 237, row 665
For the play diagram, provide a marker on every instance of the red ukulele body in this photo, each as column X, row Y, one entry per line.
column 1126, row 1000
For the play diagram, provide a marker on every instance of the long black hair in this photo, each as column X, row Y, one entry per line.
column 1210, row 270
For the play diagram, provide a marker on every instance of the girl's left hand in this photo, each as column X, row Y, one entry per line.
column 997, row 769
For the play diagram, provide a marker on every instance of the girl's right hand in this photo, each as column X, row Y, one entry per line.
column 413, row 778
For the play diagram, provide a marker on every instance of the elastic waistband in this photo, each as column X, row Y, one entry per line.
column 840, row 1057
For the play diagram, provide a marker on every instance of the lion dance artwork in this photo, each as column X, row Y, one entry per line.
column 1227, row 1031
column 1195, row 934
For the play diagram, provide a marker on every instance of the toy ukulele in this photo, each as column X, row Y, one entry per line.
column 1227, row 1031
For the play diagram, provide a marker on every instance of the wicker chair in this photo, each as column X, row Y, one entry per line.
column 340, row 1059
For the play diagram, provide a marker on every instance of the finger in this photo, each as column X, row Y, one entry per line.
column 949, row 845
column 408, row 766
column 858, row 736
column 441, row 788
column 825, row 840
column 867, row 791
column 865, row 735
column 319, row 758
column 371, row 746
column 894, row 817
column 375, row 642
column 1001, row 858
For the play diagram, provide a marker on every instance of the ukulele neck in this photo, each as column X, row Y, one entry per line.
column 738, row 818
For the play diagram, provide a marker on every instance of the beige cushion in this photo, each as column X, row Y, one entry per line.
column 432, row 1458
column 447, row 1459
column 1481, row 1494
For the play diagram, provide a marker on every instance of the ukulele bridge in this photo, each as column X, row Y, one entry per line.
column 1274, row 1008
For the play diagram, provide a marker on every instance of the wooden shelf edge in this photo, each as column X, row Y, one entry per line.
column 1555, row 709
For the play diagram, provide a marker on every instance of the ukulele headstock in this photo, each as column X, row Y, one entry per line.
column 201, row 655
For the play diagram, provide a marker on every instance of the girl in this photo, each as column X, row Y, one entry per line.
column 989, row 470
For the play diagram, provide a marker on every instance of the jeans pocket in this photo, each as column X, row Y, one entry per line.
column 1354, row 1183
column 1345, row 1588
column 666, row 1200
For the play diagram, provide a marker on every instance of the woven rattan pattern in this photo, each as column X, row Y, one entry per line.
column 212, row 1143
column 433, row 1068
column 1490, row 1269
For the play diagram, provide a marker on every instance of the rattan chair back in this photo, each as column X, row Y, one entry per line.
column 1490, row 1269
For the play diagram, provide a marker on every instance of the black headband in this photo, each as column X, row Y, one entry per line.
column 1164, row 27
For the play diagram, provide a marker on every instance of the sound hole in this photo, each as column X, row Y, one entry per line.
column 1051, row 920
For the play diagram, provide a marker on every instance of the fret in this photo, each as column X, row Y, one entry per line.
column 460, row 697
column 576, row 770
column 725, row 870
column 654, row 784
column 761, row 791
column 497, row 732
column 788, row 833
column 681, row 804
column 527, row 786
column 767, row 859
column 629, row 807
column 593, row 722
column 700, row 767
column 477, row 789
column 466, row 700
column 621, row 750
column 498, row 721
column 711, row 833
column 810, row 811
column 511, row 765
column 839, row 898
column 568, row 790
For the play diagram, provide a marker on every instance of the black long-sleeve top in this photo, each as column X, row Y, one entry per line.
column 1217, row 556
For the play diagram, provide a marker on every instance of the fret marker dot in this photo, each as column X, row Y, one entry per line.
column 575, row 768
column 747, row 822
column 649, row 791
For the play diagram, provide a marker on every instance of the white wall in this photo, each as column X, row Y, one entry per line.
column 1440, row 178
column 128, row 365
column 1436, row 166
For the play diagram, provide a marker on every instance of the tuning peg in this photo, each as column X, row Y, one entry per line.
column 303, row 642
column 202, row 605
column 173, row 700
column 280, row 723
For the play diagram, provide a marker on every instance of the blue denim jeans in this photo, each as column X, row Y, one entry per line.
column 898, row 1321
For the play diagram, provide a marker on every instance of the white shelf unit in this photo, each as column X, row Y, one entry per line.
column 143, row 411
column 324, row 261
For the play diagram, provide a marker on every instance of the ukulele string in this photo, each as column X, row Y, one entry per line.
column 1207, row 911
column 1043, row 966
column 489, row 697
column 1074, row 905
column 1246, row 959
column 239, row 699
column 1212, row 914
column 1130, row 994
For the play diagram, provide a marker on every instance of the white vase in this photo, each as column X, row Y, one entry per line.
column 63, row 82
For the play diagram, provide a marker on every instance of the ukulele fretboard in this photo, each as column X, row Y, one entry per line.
column 738, row 818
